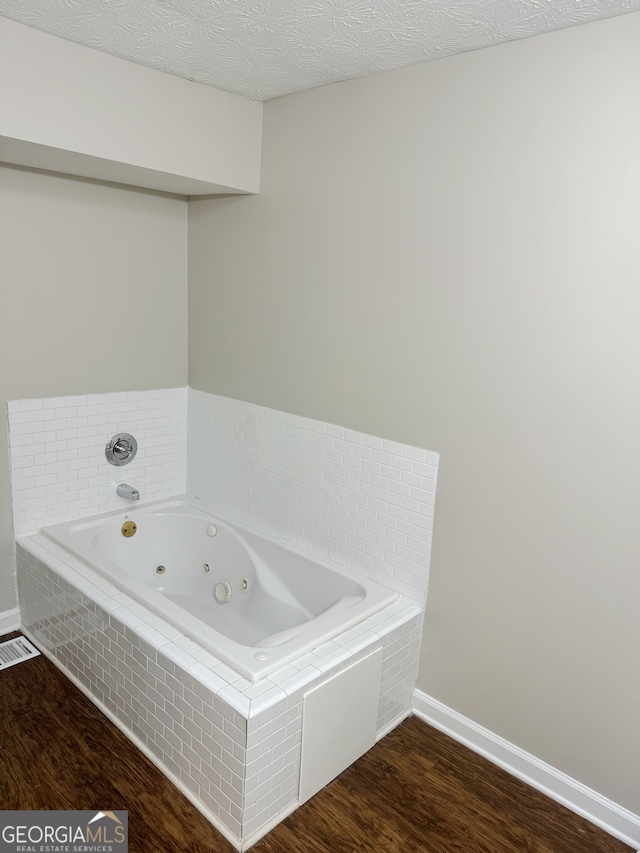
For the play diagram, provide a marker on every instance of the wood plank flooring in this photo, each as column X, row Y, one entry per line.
column 417, row 791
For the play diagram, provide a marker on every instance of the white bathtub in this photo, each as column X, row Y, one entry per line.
column 253, row 603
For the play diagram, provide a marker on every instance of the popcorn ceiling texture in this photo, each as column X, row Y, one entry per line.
column 263, row 48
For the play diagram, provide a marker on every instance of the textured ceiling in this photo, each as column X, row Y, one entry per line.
column 266, row 48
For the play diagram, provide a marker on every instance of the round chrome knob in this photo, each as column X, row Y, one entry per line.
column 121, row 449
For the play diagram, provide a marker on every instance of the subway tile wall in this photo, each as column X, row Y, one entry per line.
column 58, row 468
column 233, row 747
column 365, row 502
column 171, row 714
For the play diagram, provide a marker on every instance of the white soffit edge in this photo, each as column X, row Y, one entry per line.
column 266, row 48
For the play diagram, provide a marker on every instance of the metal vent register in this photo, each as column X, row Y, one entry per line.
column 15, row 651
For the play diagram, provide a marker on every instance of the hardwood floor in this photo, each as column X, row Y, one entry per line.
column 417, row 791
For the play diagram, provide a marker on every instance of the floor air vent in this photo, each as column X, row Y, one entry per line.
column 15, row 651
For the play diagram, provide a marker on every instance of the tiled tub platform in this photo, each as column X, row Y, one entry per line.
column 234, row 748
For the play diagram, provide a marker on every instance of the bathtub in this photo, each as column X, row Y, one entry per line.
column 251, row 601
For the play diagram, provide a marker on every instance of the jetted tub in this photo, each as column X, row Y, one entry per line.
column 254, row 603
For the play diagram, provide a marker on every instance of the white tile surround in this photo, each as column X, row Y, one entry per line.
column 58, row 467
column 366, row 503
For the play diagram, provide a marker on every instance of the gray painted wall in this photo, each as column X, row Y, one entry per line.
column 448, row 256
column 93, row 281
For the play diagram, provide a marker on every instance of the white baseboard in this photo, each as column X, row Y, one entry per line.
column 611, row 817
column 9, row 620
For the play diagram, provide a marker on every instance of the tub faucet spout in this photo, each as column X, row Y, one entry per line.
column 126, row 491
